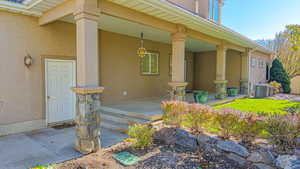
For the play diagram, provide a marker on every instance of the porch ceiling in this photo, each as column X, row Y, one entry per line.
column 124, row 27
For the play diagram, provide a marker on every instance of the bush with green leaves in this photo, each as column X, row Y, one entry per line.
column 174, row 112
column 197, row 116
column 248, row 127
column 142, row 135
column 284, row 130
column 226, row 121
column 278, row 74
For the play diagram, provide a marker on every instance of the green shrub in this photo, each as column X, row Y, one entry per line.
column 276, row 85
column 174, row 112
column 278, row 74
column 226, row 121
column 197, row 115
column 294, row 109
column 284, row 130
column 142, row 135
column 248, row 127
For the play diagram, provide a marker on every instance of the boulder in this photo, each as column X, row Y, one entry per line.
column 241, row 161
column 177, row 137
column 298, row 141
column 267, row 156
column 262, row 166
column 233, row 147
column 262, row 156
column 288, row 162
column 255, row 157
column 184, row 140
column 204, row 139
column 165, row 135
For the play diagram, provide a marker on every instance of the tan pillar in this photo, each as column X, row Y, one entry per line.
column 87, row 91
column 178, row 83
column 87, row 49
column 221, row 82
column 245, row 69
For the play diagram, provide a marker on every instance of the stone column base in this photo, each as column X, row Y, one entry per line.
column 244, row 87
column 221, row 89
column 87, row 119
column 178, row 91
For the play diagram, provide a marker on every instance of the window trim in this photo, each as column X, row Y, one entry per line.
column 158, row 66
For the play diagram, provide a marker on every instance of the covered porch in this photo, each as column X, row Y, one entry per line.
column 107, row 64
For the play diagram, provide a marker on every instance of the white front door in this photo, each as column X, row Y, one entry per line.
column 60, row 76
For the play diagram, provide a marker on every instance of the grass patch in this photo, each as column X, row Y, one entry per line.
column 265, row 106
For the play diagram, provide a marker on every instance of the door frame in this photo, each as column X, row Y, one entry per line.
column 44, row 58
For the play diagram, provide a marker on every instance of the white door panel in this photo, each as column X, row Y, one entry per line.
column 60, row 100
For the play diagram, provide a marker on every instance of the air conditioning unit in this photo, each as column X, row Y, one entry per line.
column 261, row 91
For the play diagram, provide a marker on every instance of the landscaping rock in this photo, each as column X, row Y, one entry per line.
column 297, row 152
column 255, row 157
column 267, row 157
column 298, row 141
column 178, row 137
column 262, row 166
column 209, row 149
column 236, row 158
column 233, row 147
column 202, row 139
column 165, row 135
column 184, row 140
column 288, row 162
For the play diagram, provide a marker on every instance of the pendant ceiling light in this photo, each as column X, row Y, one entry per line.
column 142, row 51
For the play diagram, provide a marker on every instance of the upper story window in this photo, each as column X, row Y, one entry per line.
column 214, row 10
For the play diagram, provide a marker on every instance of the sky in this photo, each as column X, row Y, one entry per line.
column 260, row 19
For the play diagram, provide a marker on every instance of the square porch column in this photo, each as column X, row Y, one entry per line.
column 87, row 91
column 178, row 83
column 221, row 82
column 245, row 70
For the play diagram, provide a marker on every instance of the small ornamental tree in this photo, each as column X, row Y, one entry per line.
column 278, row 74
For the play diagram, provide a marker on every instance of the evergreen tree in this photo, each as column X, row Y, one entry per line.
column 278, row 74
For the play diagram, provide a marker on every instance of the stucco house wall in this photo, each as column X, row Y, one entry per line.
column 203, row 6
column 233, row 68
column 205, row 70
column 21, row 90
column 120, row 69
column 295, row 84
column 258, row 67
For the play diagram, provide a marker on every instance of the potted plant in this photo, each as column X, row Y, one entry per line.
column 200, row 96
column 232, row 91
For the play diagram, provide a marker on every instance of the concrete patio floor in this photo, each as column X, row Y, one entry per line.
column 44, row 147
column 152, row 106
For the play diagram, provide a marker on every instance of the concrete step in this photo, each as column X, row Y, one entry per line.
column 123, row 119
column 118, row 120
column 124, row 113
column 114, row 126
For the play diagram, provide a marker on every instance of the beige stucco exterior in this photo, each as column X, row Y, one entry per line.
column 258, row 71
column 104, row 58
column 21, row 88
column 120, row 68
column 205, row 70
column 201, row 7
column 295, row 85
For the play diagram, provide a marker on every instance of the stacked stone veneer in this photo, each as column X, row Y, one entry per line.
column 244, row 87
column 87, row 119
column 221, row 89
column 178, row 91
